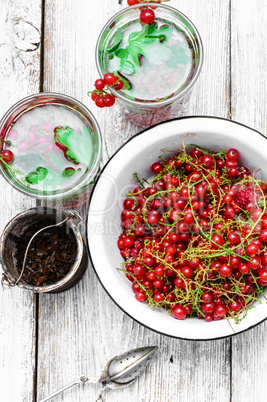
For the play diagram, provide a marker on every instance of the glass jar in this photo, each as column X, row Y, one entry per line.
column 146, row 112
column 43, row 166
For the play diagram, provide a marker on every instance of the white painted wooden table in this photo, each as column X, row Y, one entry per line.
column 47, row 341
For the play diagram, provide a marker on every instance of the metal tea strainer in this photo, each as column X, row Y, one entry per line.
column 119, row 371
column 22, row 230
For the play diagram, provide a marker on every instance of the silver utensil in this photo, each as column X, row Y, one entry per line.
column 119, row 371
column 80, row 380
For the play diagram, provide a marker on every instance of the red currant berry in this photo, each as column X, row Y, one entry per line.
column 93, row 96
column 188, row 309
column 244, row 268
column 231, row 164
column 179, row 312
column 170, row 297
column 140, row 296
column 170, row 250
column 153, row 218
column 263, row 235
column 118, row 85
column 109, row 100
column 225, row 270
column 252, row 249
column 99, row 102
column 174, row 237
column 235, row 261
column 7, row 155
column 151, row 276
column 218, row 239
column 158, row 297
column 159, row 270
column 234, row 306
column 233, row 237
column 232, row 154
column 179, row 283
column 139, row 270
column 194, row 262
column 135, row 287
column 189, row 217
column 156, row 167
column 207, row 161
column 132, row 2
column 158, row 283
column 120, row 244
column 229, row 212
column 221, row 310
column 128, row 203
column 233, row 172
column 208, row 318
column 147, row 16
column 208, row 308
column 128, row 242
column 207, row 297
column 263, row 275
column 187, row 271
column 226, row 286
column 261, row 283
column 196, row 153
column 100, row 84
column 147, row 285
column 110, row 79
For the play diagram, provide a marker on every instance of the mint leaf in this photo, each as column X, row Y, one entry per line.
column 178, row 56
column 127, row 67
column 116, row 43
column 37, row 176
column 122, row 53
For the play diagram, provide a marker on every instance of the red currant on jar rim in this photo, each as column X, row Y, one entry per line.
column 147, row 16
column 7, row 155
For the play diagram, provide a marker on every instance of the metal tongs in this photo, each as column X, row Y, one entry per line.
column 119, row 371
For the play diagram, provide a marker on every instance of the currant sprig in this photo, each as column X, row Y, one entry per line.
column 101, row 94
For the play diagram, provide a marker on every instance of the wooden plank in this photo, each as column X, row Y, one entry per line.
column 81, row 329
column 20, row 27
column 249, row 88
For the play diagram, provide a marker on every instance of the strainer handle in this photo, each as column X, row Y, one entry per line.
column 79, row 381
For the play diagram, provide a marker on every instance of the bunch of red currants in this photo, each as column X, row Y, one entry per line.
column 100, row 95
column 194, row 238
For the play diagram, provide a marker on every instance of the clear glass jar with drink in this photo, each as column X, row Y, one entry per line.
column 158, row 62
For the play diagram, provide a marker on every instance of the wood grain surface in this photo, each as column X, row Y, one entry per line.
column 20, row 27
column 249, row 90
column 76, row 332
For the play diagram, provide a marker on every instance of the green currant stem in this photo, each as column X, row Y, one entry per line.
column 98, row 92
column 14, row 171
column 6, row 142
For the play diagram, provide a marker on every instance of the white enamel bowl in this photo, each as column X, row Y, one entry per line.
column 137, row 155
